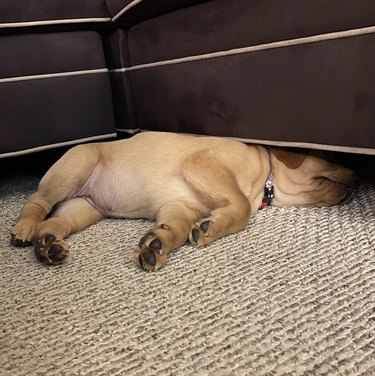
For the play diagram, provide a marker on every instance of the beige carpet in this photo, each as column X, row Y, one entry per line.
column 293, row 294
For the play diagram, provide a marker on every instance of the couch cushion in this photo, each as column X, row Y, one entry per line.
column 54, row 90
column 319, row 95
column 35, row 54
column 223, row 25
column 16, row 13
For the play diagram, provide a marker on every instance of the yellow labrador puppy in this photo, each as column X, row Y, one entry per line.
column 196, row 188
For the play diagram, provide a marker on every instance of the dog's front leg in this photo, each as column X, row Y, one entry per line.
column 173, row 224
column 71, row 216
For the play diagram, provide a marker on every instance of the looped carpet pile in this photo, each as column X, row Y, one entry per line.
column 292, row 294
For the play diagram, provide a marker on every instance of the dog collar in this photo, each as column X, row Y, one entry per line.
column 268, row 192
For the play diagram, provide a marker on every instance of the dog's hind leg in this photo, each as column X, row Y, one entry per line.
column 71, row 216
column 60, row 182
column 217, row 188
column 173, row 224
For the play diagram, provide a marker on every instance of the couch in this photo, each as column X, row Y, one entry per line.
column 292, row 73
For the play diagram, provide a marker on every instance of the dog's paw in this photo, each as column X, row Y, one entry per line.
column 149, row 254
column 199, row 233
column 50, row 250
column 23, row 233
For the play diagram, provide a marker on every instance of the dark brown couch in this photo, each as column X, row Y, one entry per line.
column 296, row 72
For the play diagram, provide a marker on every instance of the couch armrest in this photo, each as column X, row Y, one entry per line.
column 130, row 12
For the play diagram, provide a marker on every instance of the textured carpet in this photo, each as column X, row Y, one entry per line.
column 293, row 294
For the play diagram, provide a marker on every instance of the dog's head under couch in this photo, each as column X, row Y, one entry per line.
column 196, row 189
column 310, row 178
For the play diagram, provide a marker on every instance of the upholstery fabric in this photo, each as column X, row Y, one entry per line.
column 294, row 71
column 54, row 88
column 130, row 12
column 116, row 48
column 33, row 54
column 291, row 72
column 223, row 25
column 123, row 103
column 321, row 93
column 117, row 55
column 16, row 11
column 67, row 109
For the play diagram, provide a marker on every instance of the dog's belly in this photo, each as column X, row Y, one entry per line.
column 130, row 194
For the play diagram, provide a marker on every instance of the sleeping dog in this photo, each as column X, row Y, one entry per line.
column 195, row 188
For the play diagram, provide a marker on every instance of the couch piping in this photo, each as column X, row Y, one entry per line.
column 52, row 22
column 309, row 145
column 293, row 144
column 51, row 146
column 259, row 47
column 129, row 131
column 53, row 75
column 126, row 8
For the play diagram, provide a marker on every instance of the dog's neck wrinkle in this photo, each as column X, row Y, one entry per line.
column 281, row 174
column 290, row 187
column 282, row 181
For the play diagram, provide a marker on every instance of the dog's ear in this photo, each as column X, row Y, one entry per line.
column 291, row 159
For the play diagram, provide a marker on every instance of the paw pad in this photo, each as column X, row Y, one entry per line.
column 204, row 226
column 199, row 232
column 195, row 234
column 150, row 251
column 149, row 258
column 47, row 251
column 156, row 244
